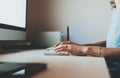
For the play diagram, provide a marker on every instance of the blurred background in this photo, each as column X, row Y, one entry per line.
column 88, row 20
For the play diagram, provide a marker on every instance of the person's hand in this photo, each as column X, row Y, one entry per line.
column 64, row 42
column 71, row 48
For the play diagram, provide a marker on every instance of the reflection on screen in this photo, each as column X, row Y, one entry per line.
column 21, row 72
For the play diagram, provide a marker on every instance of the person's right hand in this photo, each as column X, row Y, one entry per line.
column 71, row 48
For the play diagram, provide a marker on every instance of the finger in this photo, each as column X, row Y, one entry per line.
column 64, row 42
column 59, row 50
column 58, row 47
column 62, row 48
column 57, row 44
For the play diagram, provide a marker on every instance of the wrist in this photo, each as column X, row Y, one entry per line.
column 94, row 51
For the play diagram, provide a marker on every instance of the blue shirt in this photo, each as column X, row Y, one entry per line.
column 113, row 36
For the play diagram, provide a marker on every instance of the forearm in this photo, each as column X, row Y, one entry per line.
column 110, row 52
column 102, row 43
column 102, row 51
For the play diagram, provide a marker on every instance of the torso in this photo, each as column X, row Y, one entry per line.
column 113, row 37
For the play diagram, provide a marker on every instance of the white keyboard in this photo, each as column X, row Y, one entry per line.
column 56, row 53
column 49, row 51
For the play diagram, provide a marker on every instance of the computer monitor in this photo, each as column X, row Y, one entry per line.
column 13, row 20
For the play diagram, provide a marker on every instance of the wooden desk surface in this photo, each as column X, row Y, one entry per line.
column 61, row 66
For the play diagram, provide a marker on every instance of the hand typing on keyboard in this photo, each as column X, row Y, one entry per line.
column 50, row 51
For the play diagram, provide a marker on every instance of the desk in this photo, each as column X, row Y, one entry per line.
column 61, row 66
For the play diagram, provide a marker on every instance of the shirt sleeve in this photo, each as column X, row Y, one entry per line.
column 117, row 3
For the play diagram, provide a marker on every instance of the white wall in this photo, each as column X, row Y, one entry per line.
column 88, row 19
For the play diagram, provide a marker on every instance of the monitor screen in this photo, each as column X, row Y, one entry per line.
column 13, row 19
